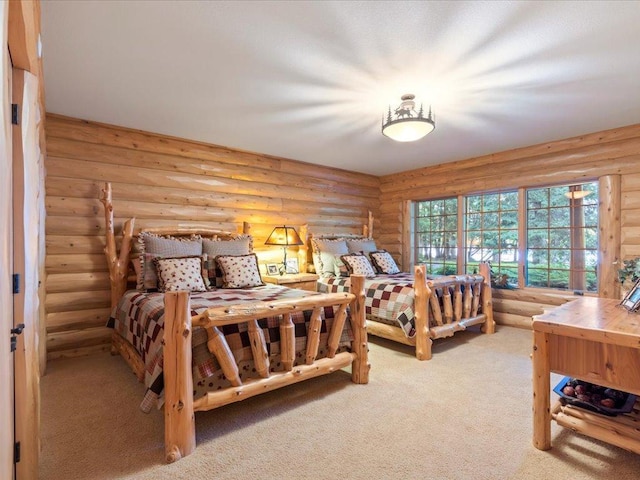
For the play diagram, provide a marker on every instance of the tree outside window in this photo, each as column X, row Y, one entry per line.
column 491, row 234
column 436, row 235
column 562, row 237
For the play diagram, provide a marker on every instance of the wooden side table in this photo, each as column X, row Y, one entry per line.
column 303, row 281
column 597, row 341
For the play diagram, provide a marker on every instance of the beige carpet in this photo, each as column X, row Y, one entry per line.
column 465, row 414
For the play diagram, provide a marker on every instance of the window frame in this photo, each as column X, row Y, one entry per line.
column 521, row 235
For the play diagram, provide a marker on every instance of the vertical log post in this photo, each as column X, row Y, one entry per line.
column 258, row 348
column 287, row 342
column 360, row 366
column 466, row 300
column 422, row 294
column 313, row 336
column 609, row 234
column 447, row 306
column 303, row 250
column 118, row 263
column 457, row 302
column 489, row 325
column 179, row 425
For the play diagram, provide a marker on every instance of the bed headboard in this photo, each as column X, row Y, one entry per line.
column 120, row 266
column 306, row 256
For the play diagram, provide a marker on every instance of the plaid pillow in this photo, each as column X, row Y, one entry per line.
column 241, row 245
column 364, row 245
column 154, row 246
column 358, row 264
column 383, row 262
column 239, row 271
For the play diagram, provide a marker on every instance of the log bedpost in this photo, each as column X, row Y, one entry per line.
column 118, row 263
column 489, row 325
column 303, row 251
column 422, row 294
column 360, row 366
column 179, row 425
column 367, row 230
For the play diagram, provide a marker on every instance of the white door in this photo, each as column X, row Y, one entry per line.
column 6, row 260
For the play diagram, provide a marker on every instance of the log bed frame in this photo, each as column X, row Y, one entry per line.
column 443, row 305
column 179, row 404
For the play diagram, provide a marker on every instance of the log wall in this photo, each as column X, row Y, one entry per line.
column 585, row 158
column 165, row 181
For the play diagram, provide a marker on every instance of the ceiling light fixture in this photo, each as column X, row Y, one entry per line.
column 409, row 124
column 577, row 194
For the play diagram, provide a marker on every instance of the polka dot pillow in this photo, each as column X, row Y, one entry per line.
column 239, row 271
column 358, row 264
column 180, row 274
column 383, row 262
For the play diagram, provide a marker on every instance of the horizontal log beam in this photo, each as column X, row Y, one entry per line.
column 255, row 387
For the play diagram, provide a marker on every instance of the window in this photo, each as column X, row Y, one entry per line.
column 436, row 235
column 491, row 233
column 562, row 237
column 559, row 228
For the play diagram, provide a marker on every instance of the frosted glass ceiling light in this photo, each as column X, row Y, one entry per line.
column 408, row 125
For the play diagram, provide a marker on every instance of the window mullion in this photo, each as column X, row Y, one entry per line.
column 522, row 236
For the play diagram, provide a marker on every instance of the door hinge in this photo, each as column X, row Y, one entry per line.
column 16, row 283
column 14, row 113
column 16, row 452
column 14, row 333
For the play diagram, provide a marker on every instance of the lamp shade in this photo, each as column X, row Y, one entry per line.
column 284, row 236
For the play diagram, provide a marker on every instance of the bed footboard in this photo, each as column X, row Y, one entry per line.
column 449, row 304
column 179, row 403
column 443, row 306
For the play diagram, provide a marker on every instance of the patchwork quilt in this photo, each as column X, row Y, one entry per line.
column 139, row 318
column 388, row 298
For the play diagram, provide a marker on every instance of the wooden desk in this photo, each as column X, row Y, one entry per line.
column 596, row 341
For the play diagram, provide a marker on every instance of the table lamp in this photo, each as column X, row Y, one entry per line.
column 284, row 236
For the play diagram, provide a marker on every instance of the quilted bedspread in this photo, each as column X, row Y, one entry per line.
column 388, row 298
column 139, row 318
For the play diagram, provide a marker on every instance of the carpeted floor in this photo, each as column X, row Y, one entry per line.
column 465, row 414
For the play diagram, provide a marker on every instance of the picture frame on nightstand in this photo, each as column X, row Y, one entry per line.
column 631, row 300
column 292, row 265
column 272, row 269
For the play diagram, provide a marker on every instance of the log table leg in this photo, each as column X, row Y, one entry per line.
column 541, row 391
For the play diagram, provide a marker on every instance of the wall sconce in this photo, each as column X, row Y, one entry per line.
column 284, row 236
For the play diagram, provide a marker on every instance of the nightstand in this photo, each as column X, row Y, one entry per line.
column 303, row 281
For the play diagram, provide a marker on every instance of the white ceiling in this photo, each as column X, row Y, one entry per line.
column 311, row 80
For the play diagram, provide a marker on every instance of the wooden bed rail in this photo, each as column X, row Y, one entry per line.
column 178, row 378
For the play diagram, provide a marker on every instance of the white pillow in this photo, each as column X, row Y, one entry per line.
column 383, row 262
column 180, row 274
column 241, row 245
column 239, row 271
column 325, row 253
column 358, row 264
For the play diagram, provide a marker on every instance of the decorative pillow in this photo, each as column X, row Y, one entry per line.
column 325, row 253
column 155, row 246
column 179, row 274
column 241, row 245
column 383, row 262
column 358, row 264
column 239, row 271
column 361, row 245
column 340, row 269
